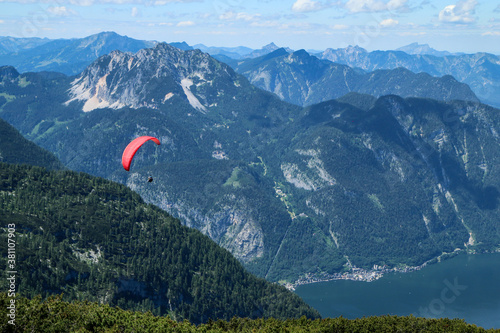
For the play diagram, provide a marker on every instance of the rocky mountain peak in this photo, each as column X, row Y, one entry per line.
column 355, row 49
column 270, row 47
column 302, row 53
column 148, row 78
column 338, row 55
column 301, row 57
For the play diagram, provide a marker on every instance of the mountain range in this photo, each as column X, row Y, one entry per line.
column 302, row 79
column 481, row 71
column 71, row 56
column 10, row 45
column 68, row 56
column 362, row 182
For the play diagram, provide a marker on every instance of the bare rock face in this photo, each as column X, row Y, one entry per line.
column 232, row 224
column 235, row 229
column 244, row 238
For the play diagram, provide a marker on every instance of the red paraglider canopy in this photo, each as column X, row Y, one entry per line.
column 131, row 149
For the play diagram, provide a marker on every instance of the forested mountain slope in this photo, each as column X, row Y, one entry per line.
column 94, row 239
column 403, row 182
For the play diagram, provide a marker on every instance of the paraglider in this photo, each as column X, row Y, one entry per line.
column 131, row 149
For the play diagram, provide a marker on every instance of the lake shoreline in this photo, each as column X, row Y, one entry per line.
column 363, row 275
column 464, row 285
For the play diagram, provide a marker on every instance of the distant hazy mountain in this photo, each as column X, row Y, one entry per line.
column 416, row 48
column 481, row 71
column 271, row 47
column 303, row 79
column 10, row 45
column 70, row 56
column 287, row 190
column 182, row 45
column 230, row 52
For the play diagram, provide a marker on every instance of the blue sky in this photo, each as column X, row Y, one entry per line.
column 452, row 25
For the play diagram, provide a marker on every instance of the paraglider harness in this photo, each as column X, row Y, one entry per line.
column 150, row 179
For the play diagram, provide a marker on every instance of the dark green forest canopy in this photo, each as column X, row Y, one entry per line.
column 93, row 239
column 55, row 315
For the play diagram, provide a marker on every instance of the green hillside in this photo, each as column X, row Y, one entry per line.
column 92, row 239
column 14, row 148
column 398, row 184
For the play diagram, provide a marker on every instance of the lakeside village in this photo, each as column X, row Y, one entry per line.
column 356, row 274
column 360, row 274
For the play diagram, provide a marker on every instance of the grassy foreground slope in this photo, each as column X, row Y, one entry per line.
column 55, row 315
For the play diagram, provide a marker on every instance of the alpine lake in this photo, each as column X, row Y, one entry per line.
column 466, row 286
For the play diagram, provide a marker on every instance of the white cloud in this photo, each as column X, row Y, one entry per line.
column 491, row 33
column 340, row 27
column 265, row 24
column 159, row 2
column 298, row 26
column 61, row 11
column 358, row 6
column 461, row 12
column 302, row 6
column 411, row 33
column 232, row 16
column 82, row 2
column 2, row 21
column 389, row 23
column 185, row 24
column 396, row 4
column 135, row 12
